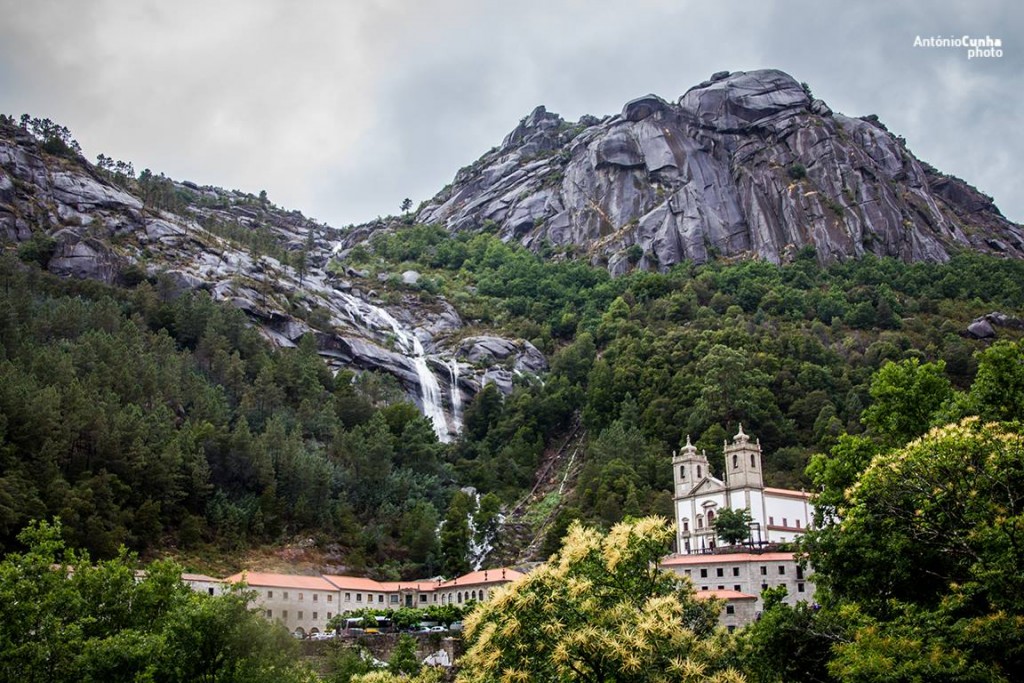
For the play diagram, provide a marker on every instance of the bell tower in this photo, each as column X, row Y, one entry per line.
column 689, row 468
column 743, row 463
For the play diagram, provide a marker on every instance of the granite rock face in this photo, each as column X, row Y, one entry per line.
column 744, row 164
column 99, row 230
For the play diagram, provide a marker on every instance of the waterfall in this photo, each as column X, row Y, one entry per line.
column 366, row 315
column 453, row 378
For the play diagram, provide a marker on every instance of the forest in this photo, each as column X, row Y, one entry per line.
column 157, row 421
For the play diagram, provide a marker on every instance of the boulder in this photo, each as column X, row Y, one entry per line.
column 981, row 329
column 642, row 107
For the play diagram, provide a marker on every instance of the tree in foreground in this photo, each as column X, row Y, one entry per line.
column 599, row 611
column 925, row 561
column 63, row 618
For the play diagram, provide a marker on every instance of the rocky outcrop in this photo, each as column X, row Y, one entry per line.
column 744, row 164
column 101, row 231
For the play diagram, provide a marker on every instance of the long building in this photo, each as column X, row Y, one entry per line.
column 305, row 604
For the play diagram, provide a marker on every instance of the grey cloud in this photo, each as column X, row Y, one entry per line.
column 342, row 109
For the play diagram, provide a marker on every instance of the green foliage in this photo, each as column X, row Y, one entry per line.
column 905, row 396
column 142, row 421
column 599, row 611
column 797, row 171
column 403, row 660
column 733, row 526
column 63, row 618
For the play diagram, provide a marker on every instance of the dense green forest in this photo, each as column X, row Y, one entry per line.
column 649, row 358
column 150, row 420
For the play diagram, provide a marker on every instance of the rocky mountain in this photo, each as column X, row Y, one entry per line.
column 273, row 264
column 744, row 164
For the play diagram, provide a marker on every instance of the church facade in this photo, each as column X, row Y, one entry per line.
column 779, row 515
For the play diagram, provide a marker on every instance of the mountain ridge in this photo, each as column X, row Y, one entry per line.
column 745, row 164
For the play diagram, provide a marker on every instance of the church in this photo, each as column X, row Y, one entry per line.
column 778, row 515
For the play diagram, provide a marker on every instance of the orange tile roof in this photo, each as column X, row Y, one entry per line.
column 421, row 586
column 724, row 595
column 789, row 493
column 199, row 577
column 721, row 558
column 357, row 583
column 267, row 580
column 484, row 576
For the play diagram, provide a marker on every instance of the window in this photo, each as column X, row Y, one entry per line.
column 698, row 471
column 800, row 587
column 284, row 615
column 797, row 524
column 721, row 588
column 785, row 522
column 782, row 569
column 764, row 586
column 752, row 460
column 270, row 594
column 359, row 597
column 316, row 615
column 300, row 614
column 730, row 628
column 393, row 598
column 711, row 517
column 380, row 598
column 316, row 596
column 210, row 590
column 686, row 524
column 300, row 596
column 329, row 615
column 348, row 597
column 735, row 571
column 270, row 613
column 735, row 461
column 799, row 572
column 330, row 598
column 703, row 588
column 730, row 609
column 703, row 573
column 736, row 588
column 688, row 572
column 771, row 520
column 460, row 597
column 720, row 572
column 764, row 570
column 700, row 521
column 286, row 595
column 682, row 472
column 423, row 597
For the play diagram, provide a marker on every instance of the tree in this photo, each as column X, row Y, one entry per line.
column 599, row 611
column 64, row 618
column 926, row 562
column 406, row 205
column 905, row 396
column 403, row 660
column 456, row 535
column 733, row 526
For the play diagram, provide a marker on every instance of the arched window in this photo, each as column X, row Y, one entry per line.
column 682, row 472
column 686, row 524
column 711, row 517
column 460, row 597
column 735, row 461
column 700, row 521
column 698, row 471
column 752, row 460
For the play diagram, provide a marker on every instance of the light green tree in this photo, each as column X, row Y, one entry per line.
column 601, row 611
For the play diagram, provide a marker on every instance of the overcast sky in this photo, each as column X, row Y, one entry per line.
column 343, row 108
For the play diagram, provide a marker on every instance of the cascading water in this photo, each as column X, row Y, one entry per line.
column 453, row 383
column 366, row 315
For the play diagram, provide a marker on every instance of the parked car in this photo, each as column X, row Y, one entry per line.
column 437, row 629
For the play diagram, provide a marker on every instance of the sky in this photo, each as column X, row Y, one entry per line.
column 343, row 108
